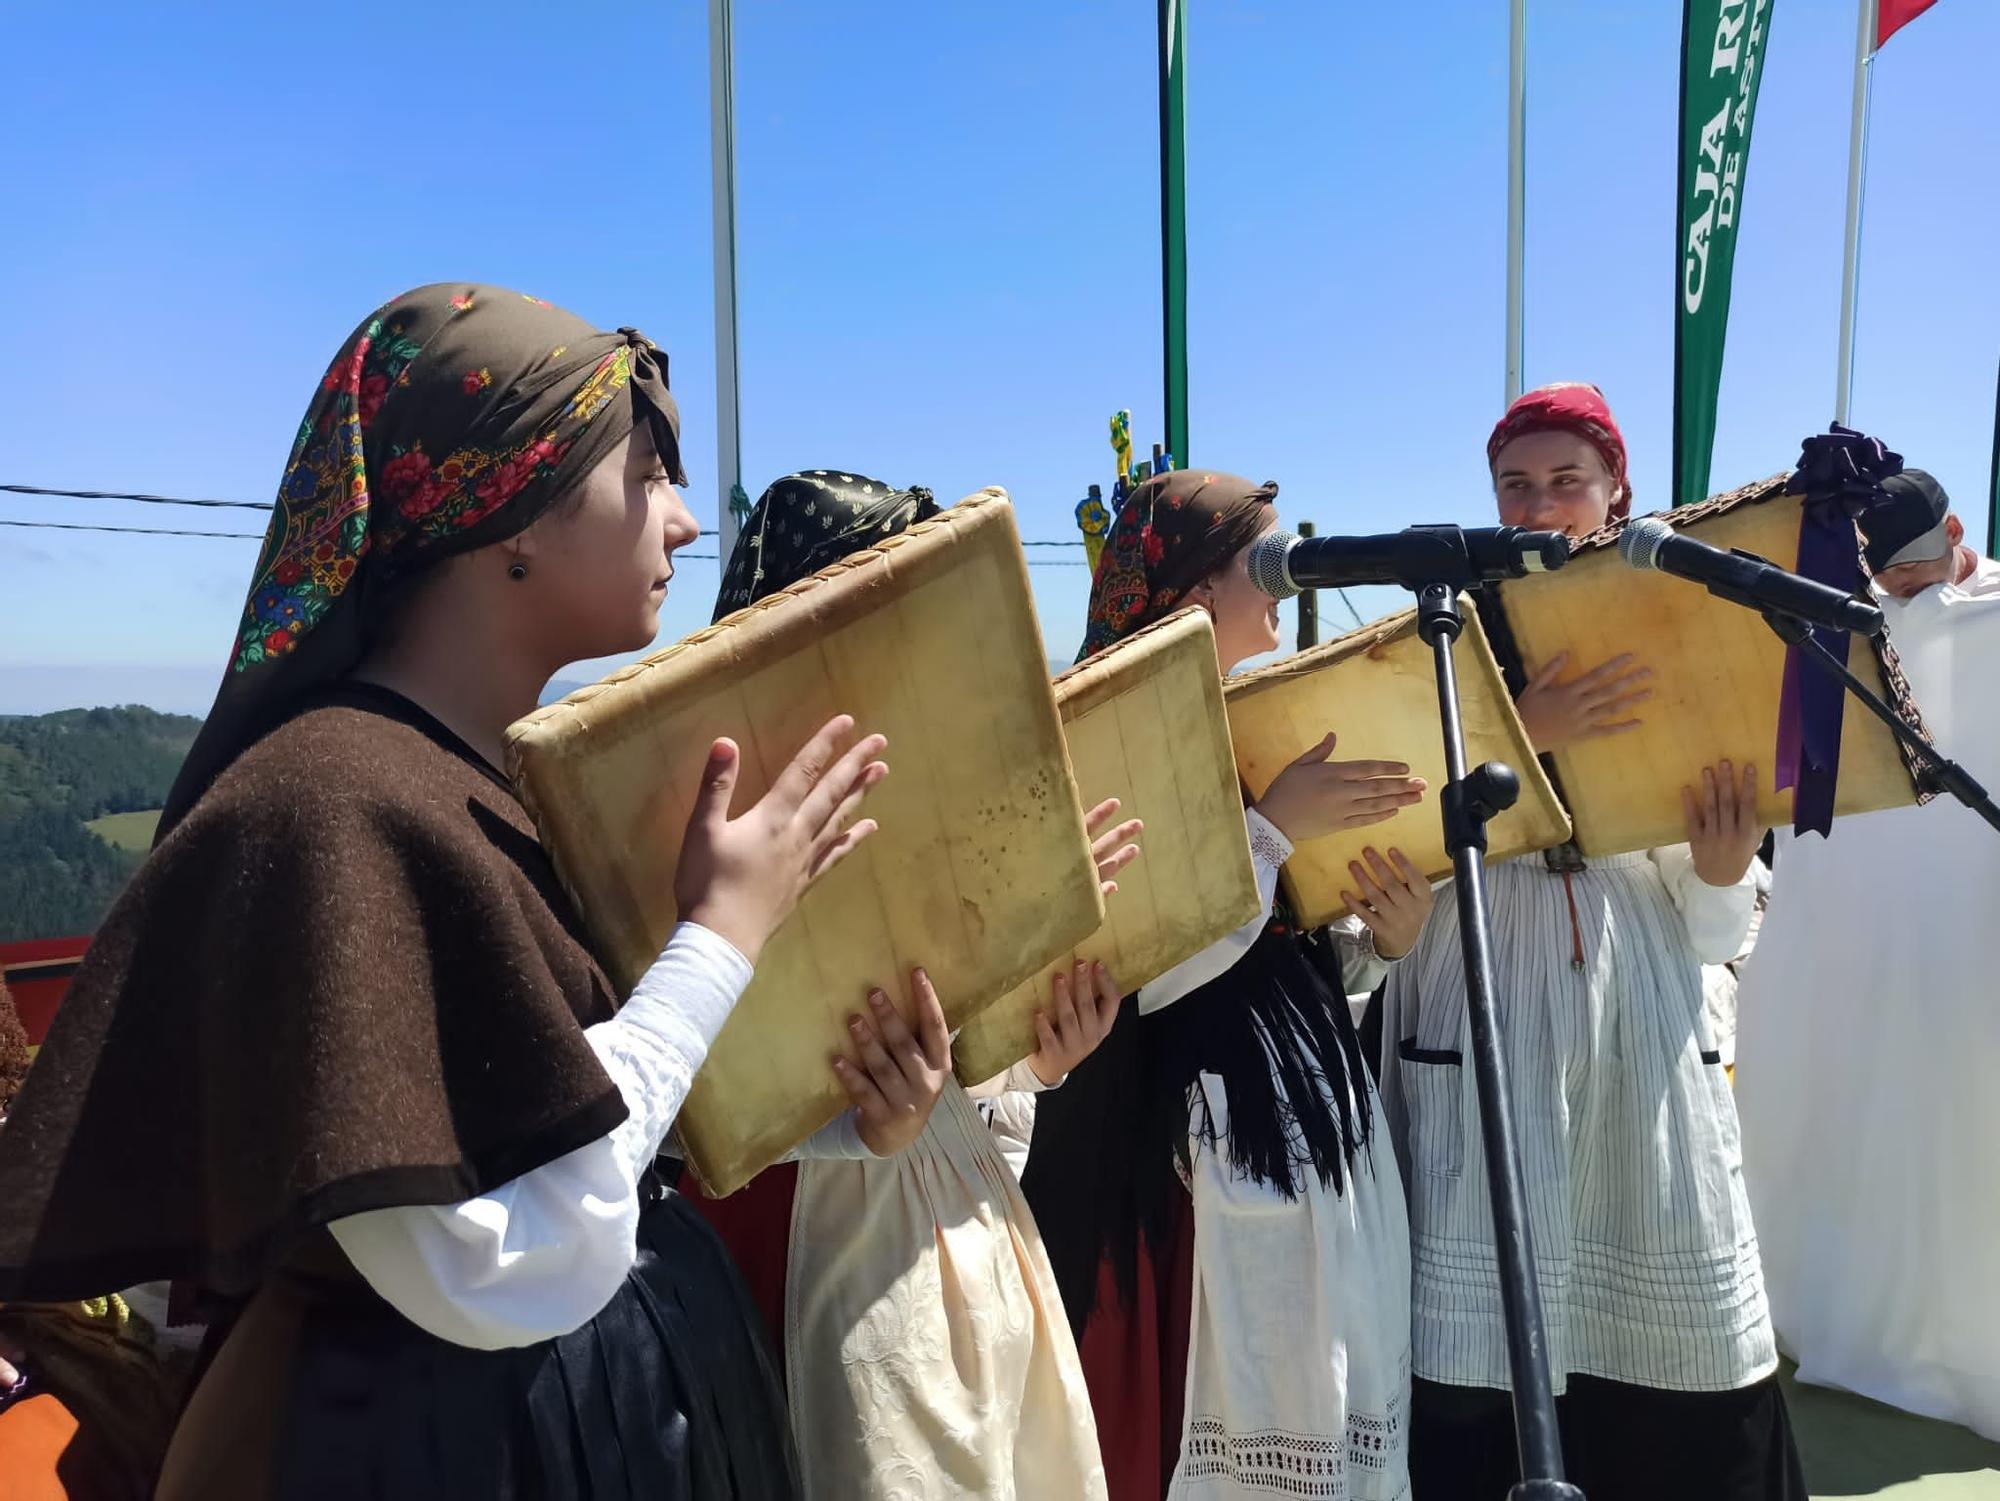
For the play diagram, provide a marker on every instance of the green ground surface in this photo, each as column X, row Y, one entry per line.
column 1854, row 1447
column 128, row 831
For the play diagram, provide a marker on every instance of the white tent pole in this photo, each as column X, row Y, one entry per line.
column 1857, row 168
column 1517, row 146
column 722, row 143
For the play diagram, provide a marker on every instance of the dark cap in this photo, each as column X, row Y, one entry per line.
column 1907, row 524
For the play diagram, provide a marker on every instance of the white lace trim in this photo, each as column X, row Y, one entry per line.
column 1268, row 843
column 1296, row 1464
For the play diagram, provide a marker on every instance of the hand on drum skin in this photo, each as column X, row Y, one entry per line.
column 1587, row 707
column 1393, row 901
column 1115, row 849
column 12, row 1357
column 741, row 877
column 897, row 1083
column 1722, row 827
column 1315, row 796
column 1082, row 1007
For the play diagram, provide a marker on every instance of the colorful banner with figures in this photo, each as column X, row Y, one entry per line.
column 1722, row 59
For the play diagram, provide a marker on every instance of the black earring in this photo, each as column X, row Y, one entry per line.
column 517, row 570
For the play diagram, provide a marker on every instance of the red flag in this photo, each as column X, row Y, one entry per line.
column 1895, row 15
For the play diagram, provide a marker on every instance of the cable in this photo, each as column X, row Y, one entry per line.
column 254, row 505
column 151, row 500
column 147, row 531
column 166, row 531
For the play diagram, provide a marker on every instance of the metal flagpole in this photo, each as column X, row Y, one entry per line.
column 1517, row 207
column 1857, row 167
column 1993, row 485
column 1173, row 222
column 732, row 503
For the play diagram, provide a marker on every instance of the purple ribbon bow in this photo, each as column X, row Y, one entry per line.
column 1840, row 474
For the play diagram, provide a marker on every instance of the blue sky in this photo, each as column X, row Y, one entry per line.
column 949, row 269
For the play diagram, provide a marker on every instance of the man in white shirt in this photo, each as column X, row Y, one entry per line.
column 1870, row 1029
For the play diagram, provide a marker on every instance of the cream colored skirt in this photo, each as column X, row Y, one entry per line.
column 926, row 1350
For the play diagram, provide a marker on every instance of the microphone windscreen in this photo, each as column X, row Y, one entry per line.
column 1266, row 563
column 1639, row 543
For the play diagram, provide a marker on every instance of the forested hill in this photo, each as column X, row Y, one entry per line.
column 59, row 774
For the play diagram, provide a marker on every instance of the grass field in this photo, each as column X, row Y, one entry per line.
column 128, row 831
column 1854, row 1447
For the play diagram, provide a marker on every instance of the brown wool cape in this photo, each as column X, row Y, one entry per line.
column 347, row 977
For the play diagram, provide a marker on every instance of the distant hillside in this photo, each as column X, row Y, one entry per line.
column 58, row 773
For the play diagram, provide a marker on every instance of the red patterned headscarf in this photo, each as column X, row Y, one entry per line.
column 1569, row 406
column 452, row 418
column 1174, row 531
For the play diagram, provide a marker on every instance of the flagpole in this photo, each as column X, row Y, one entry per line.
column 1993, row 484
column 732, row 503
column 1857, row 167
column 1517, row 207
column 1173, row 223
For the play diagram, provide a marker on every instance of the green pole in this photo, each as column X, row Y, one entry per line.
column 1173, row 221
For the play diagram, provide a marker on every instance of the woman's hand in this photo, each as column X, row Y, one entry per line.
column 1587, row 707
column 1722, row 827
column 741, row 877
column 1082, row 1007
column 1392, row 901
column 1314, row 796
column 12, row 1359
column 897, row 1083
column 1113, row 850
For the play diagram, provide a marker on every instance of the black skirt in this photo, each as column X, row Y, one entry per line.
column 1620, row 1443
column 669, row 1393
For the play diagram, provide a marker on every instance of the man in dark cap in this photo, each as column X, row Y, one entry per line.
column 1914, row 540
column 1868, row 1031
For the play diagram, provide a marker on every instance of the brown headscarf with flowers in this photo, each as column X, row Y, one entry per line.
column 1569, row 406
column 1174, row 531
column 452, row 418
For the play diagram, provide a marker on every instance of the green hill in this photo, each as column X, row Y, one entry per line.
column 59, row 775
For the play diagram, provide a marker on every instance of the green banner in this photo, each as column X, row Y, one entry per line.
column 1722, row 58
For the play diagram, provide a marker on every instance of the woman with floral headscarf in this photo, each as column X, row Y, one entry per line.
column 1225, row 1222
column 926, row 1354
column 342, row 1057
column 1652, row 1292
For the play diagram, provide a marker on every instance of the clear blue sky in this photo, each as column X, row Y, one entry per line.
column 949, row 254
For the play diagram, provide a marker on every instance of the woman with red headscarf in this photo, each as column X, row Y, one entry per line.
column 1659, row 1335
column 1223, row 1217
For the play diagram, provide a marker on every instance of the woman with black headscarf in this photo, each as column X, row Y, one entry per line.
column 1225, row 1220
column 342, row 1057
column 926, row 1354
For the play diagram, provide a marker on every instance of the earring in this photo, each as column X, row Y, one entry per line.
column 517, row 570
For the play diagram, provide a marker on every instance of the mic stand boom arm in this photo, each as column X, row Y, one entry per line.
column 1947, row 774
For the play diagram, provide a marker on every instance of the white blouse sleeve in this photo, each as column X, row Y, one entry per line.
column 1717, row 918
column 540, row 1255
column 1020, row 1079
column 1361, row 967
column 1269, row 850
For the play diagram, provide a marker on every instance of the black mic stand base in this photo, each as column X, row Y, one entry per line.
column 1469, row 800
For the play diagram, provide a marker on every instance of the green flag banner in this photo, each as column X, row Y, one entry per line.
column 1722, row 58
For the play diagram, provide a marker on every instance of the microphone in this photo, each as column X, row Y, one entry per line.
column 1282, row 564
column 1744, row 578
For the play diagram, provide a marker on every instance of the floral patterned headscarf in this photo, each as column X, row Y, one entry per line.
column 1570, row 406
column 808, row 520
column 1174, row 531
column 451, row 419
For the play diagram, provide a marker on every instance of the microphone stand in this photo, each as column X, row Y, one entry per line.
column 1469, row 801
column 1946, row 774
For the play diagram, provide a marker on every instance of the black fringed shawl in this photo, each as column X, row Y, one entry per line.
column 1110, row 1145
